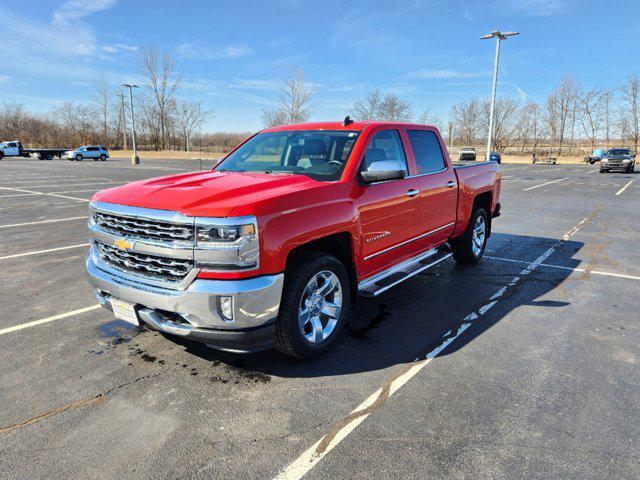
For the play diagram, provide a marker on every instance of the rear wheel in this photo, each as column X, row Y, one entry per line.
column 469, row 248
column 314, row 307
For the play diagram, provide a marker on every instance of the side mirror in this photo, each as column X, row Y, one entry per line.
column 384, row 170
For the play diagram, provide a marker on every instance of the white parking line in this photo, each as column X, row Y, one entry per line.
column 592, row 171
column 310, row 458
column 55, row 220
column 580, row 270
column 38, row 252
column 547, row 183
column 44, row 193
column 624, row 188
column 22, row 326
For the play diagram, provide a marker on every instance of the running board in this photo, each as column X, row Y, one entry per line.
column 383, row 281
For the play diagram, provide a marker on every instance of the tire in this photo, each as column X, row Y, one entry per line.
column 103, row 158
column 1, row 155
column 465, row 248
column 302, row 276
column 48, row 156
column 601, row 170
column 78, row 158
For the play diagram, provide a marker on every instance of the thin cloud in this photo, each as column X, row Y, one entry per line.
column 445, row 73
column 204, row 50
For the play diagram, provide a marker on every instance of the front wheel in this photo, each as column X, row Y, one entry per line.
column 78, row 158
column 469, row 248
column 103, row 157
column 314, row 307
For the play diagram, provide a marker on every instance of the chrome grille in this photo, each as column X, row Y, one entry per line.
column 161, row 268
column 143, row 227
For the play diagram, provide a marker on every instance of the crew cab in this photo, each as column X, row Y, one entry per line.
column 621, row 159
column 273, row 246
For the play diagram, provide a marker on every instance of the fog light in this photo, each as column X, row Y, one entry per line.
column 225, row 306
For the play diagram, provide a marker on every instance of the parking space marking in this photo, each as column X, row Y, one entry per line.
column 44, row 193
column 573, row 269
column 60, row 316
column 624, row 188
column 592, row 171
column 54, row 220
column 38, row 252
column 340, row 430
column 547, row 183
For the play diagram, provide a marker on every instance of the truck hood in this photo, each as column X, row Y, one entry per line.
column 204, row 194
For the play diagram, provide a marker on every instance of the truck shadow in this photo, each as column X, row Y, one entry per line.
column 414, row 318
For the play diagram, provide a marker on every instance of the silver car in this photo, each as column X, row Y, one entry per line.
column 88, row 151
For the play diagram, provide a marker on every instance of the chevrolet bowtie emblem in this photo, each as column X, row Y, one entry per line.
column 123, row 244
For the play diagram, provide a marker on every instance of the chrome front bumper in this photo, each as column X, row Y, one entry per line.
column 194, row 311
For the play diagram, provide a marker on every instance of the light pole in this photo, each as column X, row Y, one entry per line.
column 499, row 36
column 135, row 160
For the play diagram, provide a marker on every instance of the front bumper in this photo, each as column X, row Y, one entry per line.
column 193, row 313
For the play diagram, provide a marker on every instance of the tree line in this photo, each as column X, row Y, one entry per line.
column 571, row 119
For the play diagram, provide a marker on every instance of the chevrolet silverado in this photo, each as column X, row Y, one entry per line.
column 273, row 246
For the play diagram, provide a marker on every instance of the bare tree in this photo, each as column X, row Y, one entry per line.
column 504, row 125
column 368, row 108
column 164, row 81
column 387, row 108
column 559, row 107
column 102, row 101
column 189, row 116
column 527, row 126
column 468, row 123
column 294, row 105
column 631, row 97
column 272, row 117
column 593, row 113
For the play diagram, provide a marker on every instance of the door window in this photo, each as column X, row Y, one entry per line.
column 426, row 150
column 385, row 145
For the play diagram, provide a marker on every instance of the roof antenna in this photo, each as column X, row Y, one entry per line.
column 347, row 121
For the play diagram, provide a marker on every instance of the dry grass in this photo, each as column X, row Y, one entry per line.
column 180, row 155
column 167, row 154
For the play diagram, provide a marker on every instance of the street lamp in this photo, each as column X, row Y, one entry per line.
column 135, row 160
column 499, row 36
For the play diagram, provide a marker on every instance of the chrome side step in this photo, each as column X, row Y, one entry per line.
column 383, row 281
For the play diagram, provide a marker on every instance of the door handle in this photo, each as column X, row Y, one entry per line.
column 412, row 193
column 451, row 184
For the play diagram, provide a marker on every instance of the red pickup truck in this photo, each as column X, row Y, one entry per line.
column 273, row 246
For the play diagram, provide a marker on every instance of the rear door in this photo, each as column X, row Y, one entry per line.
column 437, row 183
column 388, row 211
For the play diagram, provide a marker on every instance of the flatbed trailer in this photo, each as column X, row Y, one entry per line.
column 15, row 149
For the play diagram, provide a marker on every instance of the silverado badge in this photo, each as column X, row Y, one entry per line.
column 123, row 244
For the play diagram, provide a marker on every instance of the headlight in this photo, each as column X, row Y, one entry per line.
column 604, row 160
column 227, row 244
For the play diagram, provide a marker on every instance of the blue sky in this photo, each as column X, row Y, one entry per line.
column 234, row 54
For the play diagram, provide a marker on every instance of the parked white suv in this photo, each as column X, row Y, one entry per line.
column 88, row 151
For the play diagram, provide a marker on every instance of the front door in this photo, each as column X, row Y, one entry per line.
column 389, row 211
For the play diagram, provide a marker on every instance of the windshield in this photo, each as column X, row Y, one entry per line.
column 319, row 154
column 619, row 151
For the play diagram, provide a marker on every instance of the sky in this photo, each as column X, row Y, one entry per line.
column 233, row 55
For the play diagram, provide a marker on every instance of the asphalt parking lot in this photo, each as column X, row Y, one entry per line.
column 525, row 366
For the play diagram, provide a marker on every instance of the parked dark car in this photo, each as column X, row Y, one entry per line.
column 620, row 159
column 495, row 157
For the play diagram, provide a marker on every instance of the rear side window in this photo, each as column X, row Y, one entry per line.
column 426, row 150
column 385, row 145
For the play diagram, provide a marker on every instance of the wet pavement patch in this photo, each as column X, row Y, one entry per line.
column 374, row 322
